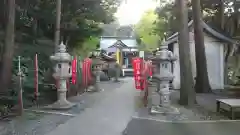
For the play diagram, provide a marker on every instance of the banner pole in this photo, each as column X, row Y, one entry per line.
column 36, row 94
column 20, row 86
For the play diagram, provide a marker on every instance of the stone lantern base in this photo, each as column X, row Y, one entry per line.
column 116, row 81
column 94, row 88
column 164, row 110
column 61, row 105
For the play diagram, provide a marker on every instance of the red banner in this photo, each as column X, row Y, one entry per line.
column 86, row 72
column 74, row 70
column 136, row 70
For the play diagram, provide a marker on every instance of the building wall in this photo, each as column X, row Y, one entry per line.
column 215, row 61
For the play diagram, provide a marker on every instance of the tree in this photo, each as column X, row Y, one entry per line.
column 87, row 46
column 35, row 20
column 221, row 15
column 167, row 12
column 202, row 81
column 187, row 93
column 147, row 28
column 6, row 68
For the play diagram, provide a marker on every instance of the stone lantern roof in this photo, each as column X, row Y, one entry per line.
column 162, row 55
column 97, row 61
column 61, row 55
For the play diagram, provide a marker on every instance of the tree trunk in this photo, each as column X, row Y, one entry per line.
column 5, row 76
column 58, row 23
column 202, row 81
column 187, row 93
column 3, row 14
column 3, row 22
column 221, row 13
column 227, row 55
column 35, row 30
column 236, row 17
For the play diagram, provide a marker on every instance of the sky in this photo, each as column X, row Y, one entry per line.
column 130, row 11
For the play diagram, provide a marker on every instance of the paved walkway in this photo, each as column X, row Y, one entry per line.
column 108, row 117
column 114, row 112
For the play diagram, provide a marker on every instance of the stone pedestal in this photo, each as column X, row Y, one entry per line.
column 117, row 73
column 62, row 102
column 98, row 77
column 153, row 96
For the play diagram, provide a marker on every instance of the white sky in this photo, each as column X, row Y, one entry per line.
column 130, row 11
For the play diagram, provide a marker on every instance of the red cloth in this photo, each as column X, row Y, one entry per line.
column 137, row 72
column 74, row 70
column 86, row 72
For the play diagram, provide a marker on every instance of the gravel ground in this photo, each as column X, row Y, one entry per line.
column 35, row 122
column 197, row 113
column 203, row 110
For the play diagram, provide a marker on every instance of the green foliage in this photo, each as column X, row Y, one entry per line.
column 79, row 20
column 167, row 11
column 87, row 46
column 149, row 30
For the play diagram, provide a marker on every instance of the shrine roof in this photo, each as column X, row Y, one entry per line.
column 107, row 58
column 110, row 41
column 208, row 29
column 118, row 44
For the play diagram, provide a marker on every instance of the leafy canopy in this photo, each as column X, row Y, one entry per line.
column 148, row 30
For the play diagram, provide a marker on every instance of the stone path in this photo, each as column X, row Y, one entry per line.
column 118, row 114
column 108, row 117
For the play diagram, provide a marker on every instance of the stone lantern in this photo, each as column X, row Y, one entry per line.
column 115, row 69
column 62, row 71
column 97, row 64
column 162, row 76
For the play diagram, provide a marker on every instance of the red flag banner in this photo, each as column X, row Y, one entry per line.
column 137, row 69
column 86, row 72
column 145, row 74
column 74, row 70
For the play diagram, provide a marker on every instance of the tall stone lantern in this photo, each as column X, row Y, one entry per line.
column 162, row 76
column 62, row 71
